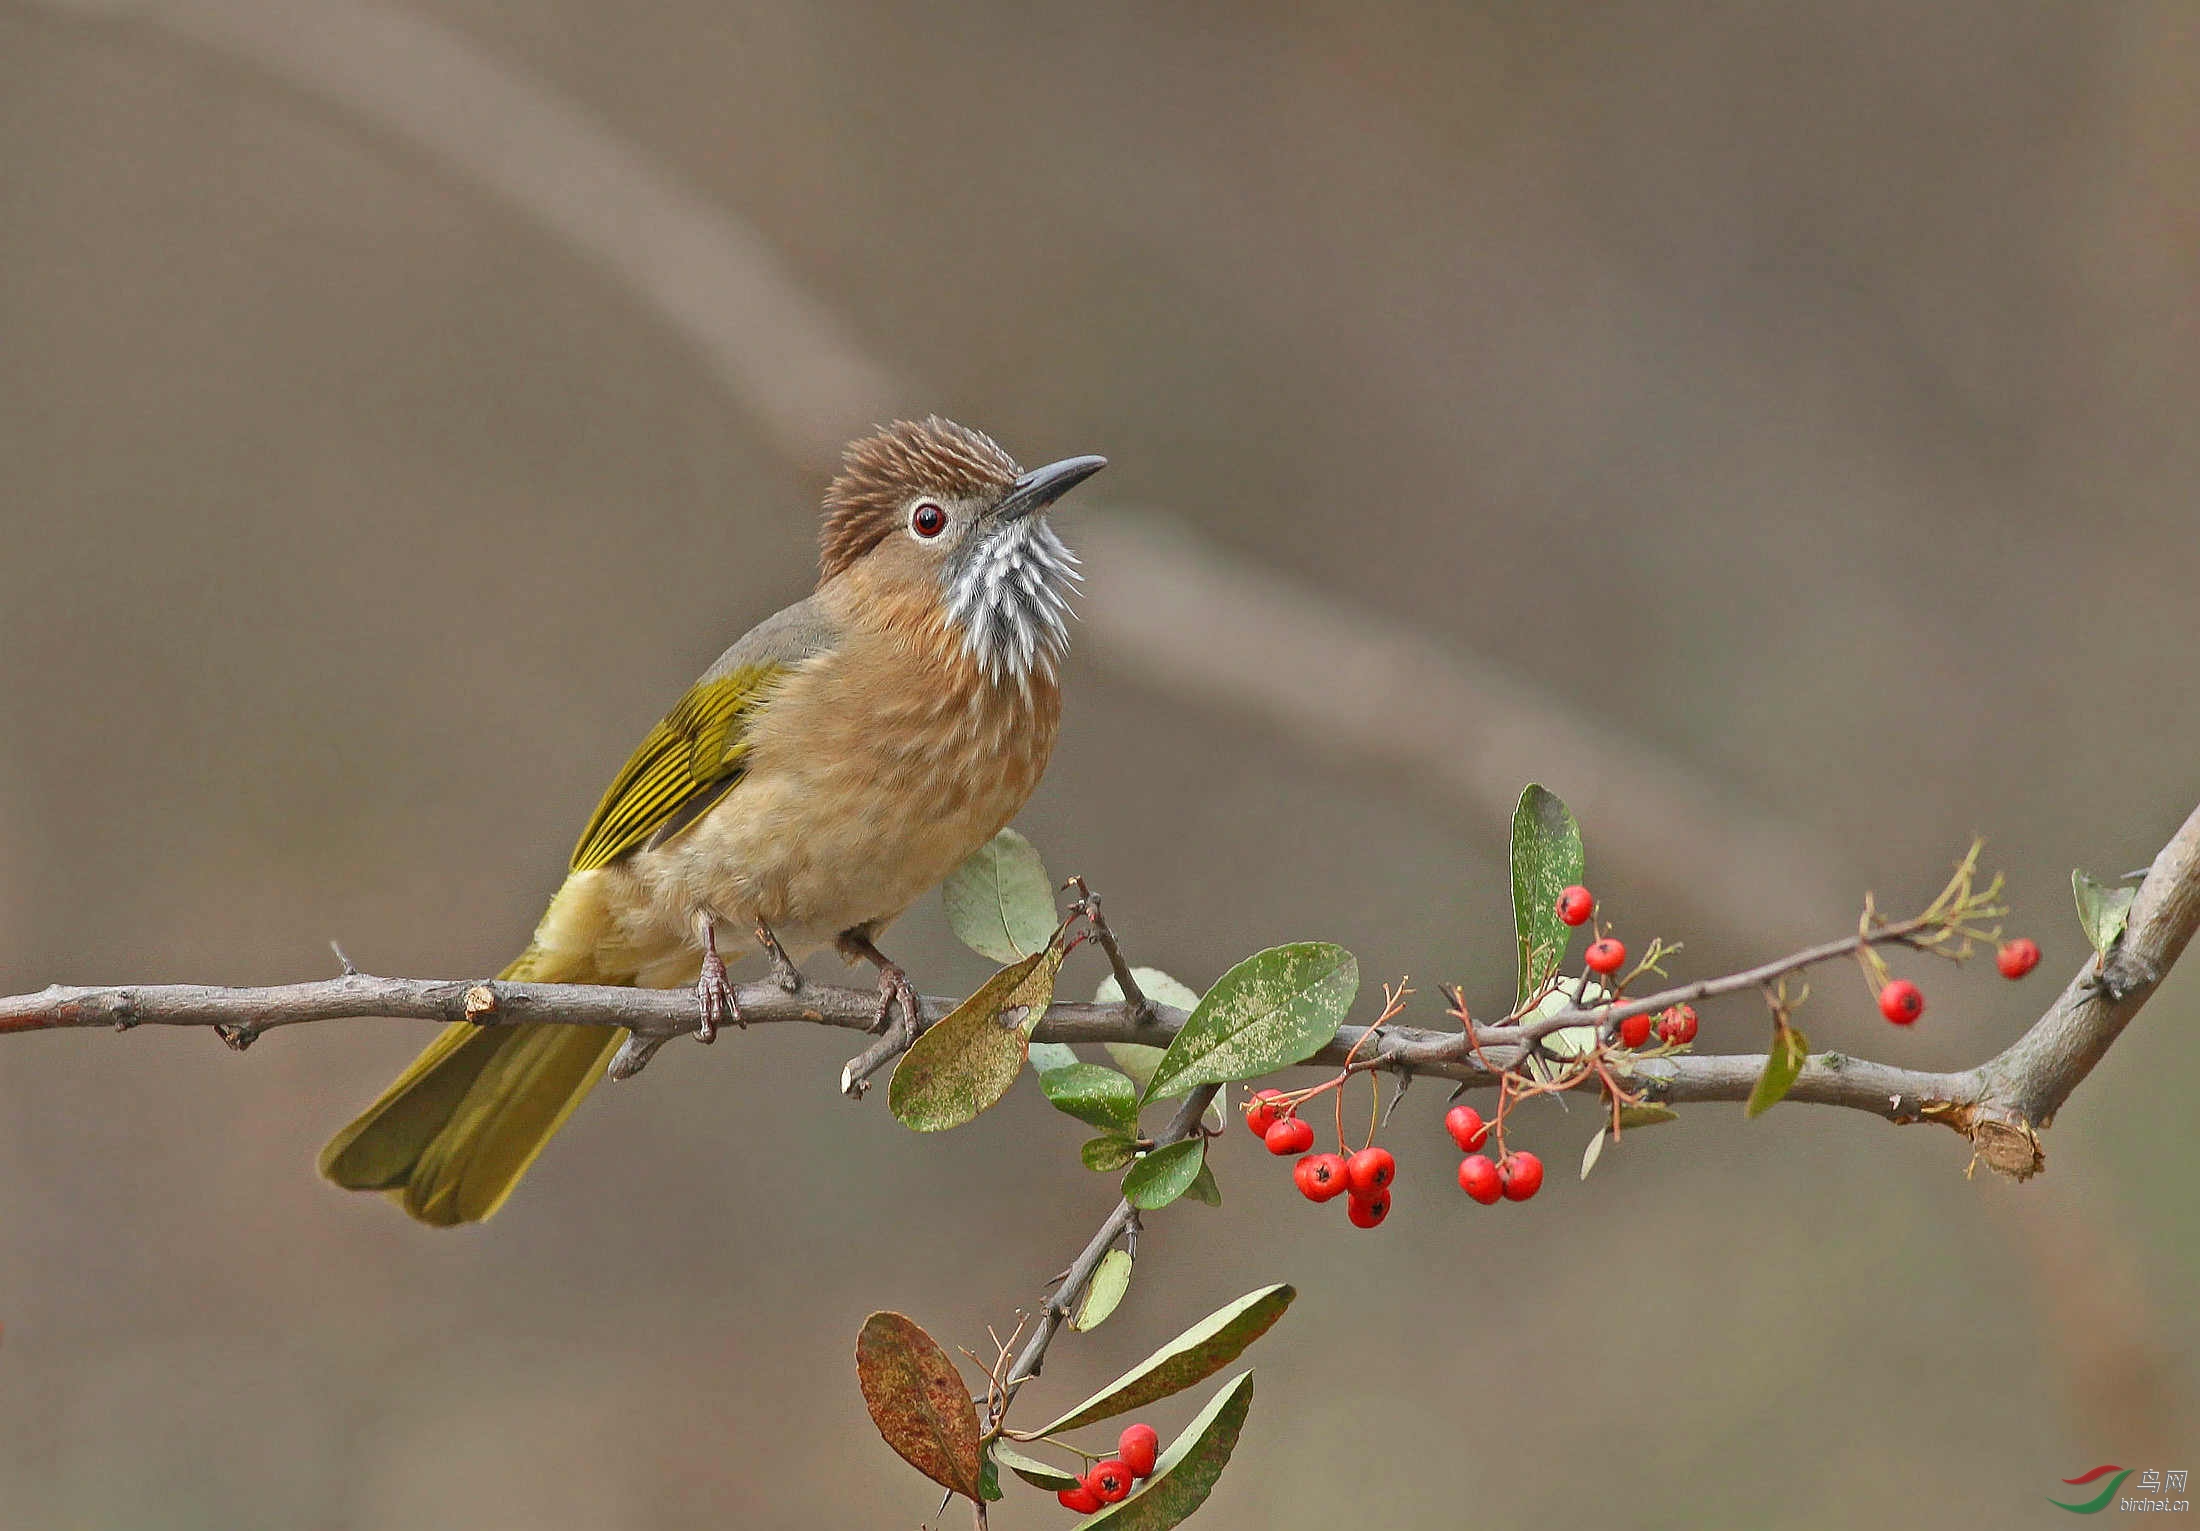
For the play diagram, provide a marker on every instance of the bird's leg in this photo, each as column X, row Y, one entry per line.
column 713, row 995
column 893, row 981
column 784, row 972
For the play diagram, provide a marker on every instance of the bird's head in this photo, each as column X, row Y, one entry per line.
column 935, row 518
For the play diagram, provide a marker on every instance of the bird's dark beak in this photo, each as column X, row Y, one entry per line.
column 1041, row 487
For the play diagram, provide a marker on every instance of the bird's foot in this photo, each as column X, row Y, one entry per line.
column 714, row 996
column 784, row 972
column 893, row 988
column 893, row 982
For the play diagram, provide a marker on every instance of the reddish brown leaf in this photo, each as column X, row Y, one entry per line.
column 919, row 1402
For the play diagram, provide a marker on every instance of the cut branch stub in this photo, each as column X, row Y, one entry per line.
column 1186, row 1473
column 967, row 1061
column 1276, row 1008
column 1000, row 902
column 919, row 1402
column 1189, row 1359
column 1546, row 859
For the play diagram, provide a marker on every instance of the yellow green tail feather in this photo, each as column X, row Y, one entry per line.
column 451, row 1137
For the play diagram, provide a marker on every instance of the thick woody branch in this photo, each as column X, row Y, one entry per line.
column 2000, row 1105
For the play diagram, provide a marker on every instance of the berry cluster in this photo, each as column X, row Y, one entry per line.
column 1112, row 1480
column 1363, row 1179
column 1518, row 1177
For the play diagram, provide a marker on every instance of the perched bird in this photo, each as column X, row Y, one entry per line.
column 836, row 763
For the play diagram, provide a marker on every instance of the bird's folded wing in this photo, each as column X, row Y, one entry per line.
column 699, row 750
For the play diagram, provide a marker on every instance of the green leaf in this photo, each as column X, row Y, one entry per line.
column 1154, row 984
column 1185, row 1474
column 1593, row 1152
column 1647, row 1115
column 1098, row 1097
column 1571, row 1041
column 1789, row 1048
column 1107, row 1153
column 1546, row 860
column 1000, row 901
column 1047, row 1056
column 1165, row 1174
column 1274, row 1009
column 967, row 1061
column 1137, row 1060
column 1189, row 1359
column 1203, row 1187
column 919, row 1402
column 2102, row 910
column 1040, row 1475
column 1109, row 1282
column 989, row 1479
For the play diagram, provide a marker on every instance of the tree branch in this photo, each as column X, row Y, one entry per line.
column 1121, row 1221
column 2000, row 1105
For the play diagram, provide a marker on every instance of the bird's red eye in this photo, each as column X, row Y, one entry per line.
column 928, row 520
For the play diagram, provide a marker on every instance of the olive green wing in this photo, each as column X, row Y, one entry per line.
column 697, row 753
column 690, row 759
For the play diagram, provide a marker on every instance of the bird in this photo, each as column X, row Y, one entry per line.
column 837, row 762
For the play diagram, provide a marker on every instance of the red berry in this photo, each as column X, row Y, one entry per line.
column 1369, row 1210
column 1479, row 1179
column 1081, row 1499
column 1678, row 1025
column 1292, row 1135
column 1369, row 1170
column 1576, row 904
column 1262, row 1114
column 1466, row 1127
column 1901, row 1002
column 1604, row 956
column 1110, row 1481
column 2017, row 958
column 1520, row 1176
column 1634, row 1031
column 1136, row 1449
column 1319, row 1177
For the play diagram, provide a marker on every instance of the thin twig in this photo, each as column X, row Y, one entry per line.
column 1121, row 1223
column 1088, row 904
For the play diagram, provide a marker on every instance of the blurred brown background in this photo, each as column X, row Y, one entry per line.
column 1804, row 392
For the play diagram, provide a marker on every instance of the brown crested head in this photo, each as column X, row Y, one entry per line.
column 882, row 474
